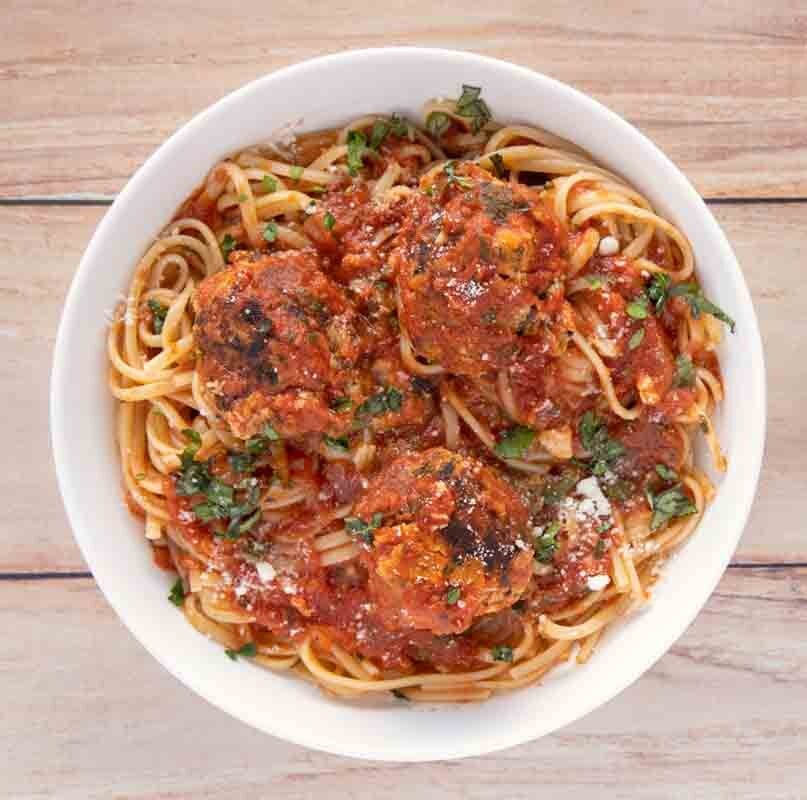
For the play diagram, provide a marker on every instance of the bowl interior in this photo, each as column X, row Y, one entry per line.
column 325, row 92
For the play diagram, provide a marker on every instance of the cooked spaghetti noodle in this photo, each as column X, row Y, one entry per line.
column 412, row 409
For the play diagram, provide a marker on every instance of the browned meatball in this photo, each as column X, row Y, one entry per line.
column 277, row 341
column 480, row 273
column 444, row 541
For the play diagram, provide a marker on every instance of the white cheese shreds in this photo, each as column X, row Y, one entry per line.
column 266, row 572
column 595, row 503
column 597, row 582
column 609, row 246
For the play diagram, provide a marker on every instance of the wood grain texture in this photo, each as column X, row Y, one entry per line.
column 40, row 248
column 89, row 90
column 718, row 716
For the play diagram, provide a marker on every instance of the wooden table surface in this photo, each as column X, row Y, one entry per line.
column 88, row 90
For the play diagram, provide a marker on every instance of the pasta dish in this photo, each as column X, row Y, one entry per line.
column 412, row 408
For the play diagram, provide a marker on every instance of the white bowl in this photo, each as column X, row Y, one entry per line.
column 316, row 94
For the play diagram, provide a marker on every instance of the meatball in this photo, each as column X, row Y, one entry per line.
column 480, row 273
column 277, row 341
column 444, row 542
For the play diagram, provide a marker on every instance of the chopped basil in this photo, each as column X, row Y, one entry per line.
column 195, row 440
column 269, row 184
column 602, row 449
column 242, row 198
column 241, row 462
column 453, row 595
column 657, row 290
column 594, row 282
column 158, row 315
column 515, row 442
column 249, row 650
column 669, row 504
column 356, row 526
column 340, row 404
column 619, row 490
column 382, row 402
column 329, row 220
column 227, row 245
column 636, row 339
column 296, row 172
column 637, row 308
column 356, row 148
column 177, row 593
column 502, row 653
column 270, row 232
column 237, row 527
column 559, row 486
column 398, row 125
column 684, row 371
column 497, row 162
column 437, row 123
column 193, row 476
column 599, row 548
column 698, row 304
column 546, row 543
column 257, row 444
column 665, row 473
column 459, row 180
column 337, row 444
column 141, row 476
column 379, row 132
column 470, row 104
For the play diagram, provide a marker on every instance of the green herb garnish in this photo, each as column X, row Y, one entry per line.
column 227, row 245
column 657, row 290
column 602, row 449
column 502, row 653
column 329, row 220
column 356, row 149
column 546, row 543
column 437, row 123
column 559, row 486
column 158, row 315
column 269, row 184
column 698, row 304
column 340, row 404
column 386, row 400
column 497, row 162
column 177, row 593
column 470, row 104
column 515, row 442
column 637, row 308
column 356, row 526
column 340, row 443
column 453, row 595
column 241, row 462
column 665, row 473
column 594, row 282
column 270, row 232
column 669, row 504
column 684, row 371
column 296, row 172
column 459, row 180
column 249, row 650
column 636, row 339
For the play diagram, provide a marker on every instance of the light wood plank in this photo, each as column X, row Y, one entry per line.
column 88, row 714
column 89, row 90
column 40, row 248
